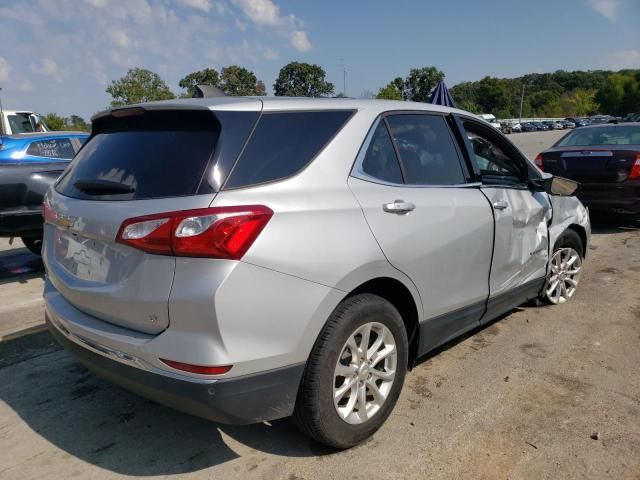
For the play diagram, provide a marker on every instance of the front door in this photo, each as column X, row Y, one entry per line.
column 521, row 245
column 430, row 224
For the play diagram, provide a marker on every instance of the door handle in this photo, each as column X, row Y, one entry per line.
column 398, row 206
column 500, row 205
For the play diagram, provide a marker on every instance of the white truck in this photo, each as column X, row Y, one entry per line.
column 488, row 117
column 13, row 122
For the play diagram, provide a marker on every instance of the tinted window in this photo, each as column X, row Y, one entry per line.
column 380, row 161
column 426, row 149
column 496, row 167
column 618, row 135
column 20, row 123
column 156, row 154
column 282, row 144
column 54, row 148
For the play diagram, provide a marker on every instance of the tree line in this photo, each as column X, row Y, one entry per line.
column 557, row 94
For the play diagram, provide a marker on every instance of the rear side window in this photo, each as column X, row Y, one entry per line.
column 150, row 154
column 61, row 148
column 380, row 160
column 284, row 143
column 426, row 149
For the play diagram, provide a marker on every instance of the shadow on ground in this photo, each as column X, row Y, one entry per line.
column 121, row 432
column 18, row 265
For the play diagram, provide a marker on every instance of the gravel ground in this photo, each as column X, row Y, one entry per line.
column 549, row 392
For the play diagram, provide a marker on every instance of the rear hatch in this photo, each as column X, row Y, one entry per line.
column 597, row 164
column 137, row 162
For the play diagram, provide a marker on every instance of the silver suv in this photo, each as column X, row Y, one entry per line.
column 246, row 259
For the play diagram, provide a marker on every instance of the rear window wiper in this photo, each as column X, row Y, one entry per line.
column 102, row 187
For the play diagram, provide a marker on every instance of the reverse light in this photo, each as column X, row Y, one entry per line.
column 218, row 232
column 538, row 162
column 200, row 369
column 635, row 169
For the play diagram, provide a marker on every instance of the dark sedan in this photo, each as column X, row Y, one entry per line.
column 605, row 159
column 528, row 127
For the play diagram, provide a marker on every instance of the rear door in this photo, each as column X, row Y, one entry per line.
column 521, row 246
column 138, row 163
column 429, row 222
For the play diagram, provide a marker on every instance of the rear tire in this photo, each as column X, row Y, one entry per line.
column 370, row 379
column 34, row 244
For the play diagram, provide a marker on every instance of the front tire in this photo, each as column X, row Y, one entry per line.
column 348, row 390
column 564, row 270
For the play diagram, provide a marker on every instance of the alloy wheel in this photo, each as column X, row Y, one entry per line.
column 564, row 275
column 364, row 373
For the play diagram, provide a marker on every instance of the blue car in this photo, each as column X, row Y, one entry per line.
column 29, row 164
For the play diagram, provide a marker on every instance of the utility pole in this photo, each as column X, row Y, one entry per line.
column 521, row 102
column 344, row 77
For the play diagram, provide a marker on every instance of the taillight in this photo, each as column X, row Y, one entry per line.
column 635, row 169
column 201, row 369
column 538, row 162
column 48, row 213
column 217, row 232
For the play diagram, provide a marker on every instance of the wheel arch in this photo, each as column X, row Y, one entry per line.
column 401, row 297
column 582, row 233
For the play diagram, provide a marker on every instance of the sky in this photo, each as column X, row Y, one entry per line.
column 60, row 55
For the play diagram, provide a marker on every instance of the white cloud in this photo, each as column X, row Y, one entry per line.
column 261, row 12
column 46, row 67
column 300, row 41
column 266, row 13
column 240, row 25
column 119, row 37
column 625, row 59
column 607, row 8
column 203, row 5
column 98, row 3
column 4, row 70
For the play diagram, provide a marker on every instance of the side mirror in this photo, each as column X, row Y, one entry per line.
column 560, row 186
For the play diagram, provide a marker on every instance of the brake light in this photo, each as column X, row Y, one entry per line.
column 538, row 162
column 201, row 369
column 635, row 169
column 217, row 232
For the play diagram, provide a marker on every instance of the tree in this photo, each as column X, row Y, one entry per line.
column 420, row 82
column 298, row 79
column 620, row 93
column 238, row 81
column 579, row 103
column 389, row 92
column 138, row 86
column 54, row 121
column 76, row 122
column 208, row 76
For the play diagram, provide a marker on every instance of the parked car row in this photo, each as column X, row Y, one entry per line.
column 567, row 123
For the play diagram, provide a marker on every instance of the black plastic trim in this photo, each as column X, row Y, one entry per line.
column 264, row 396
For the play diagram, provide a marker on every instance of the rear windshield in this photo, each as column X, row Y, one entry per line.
column 151, row 154
column 609, row 135
column 284, row 143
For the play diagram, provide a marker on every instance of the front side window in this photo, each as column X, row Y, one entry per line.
column 496, row 167
column 426, row 149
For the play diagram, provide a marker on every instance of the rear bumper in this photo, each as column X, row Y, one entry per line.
column 241, row 400
column 21, row 222
column 623, row 197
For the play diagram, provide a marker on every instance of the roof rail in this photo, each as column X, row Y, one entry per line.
column 207, row 91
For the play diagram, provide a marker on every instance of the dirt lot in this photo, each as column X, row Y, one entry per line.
column 549, row 392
